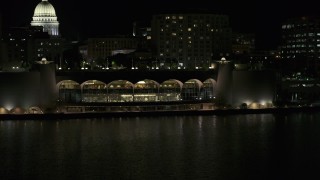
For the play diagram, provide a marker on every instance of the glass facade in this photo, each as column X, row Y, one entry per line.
column 191, row 89
column 146, row 90
column 120, row 91
column 94, row 91
column 69, row 91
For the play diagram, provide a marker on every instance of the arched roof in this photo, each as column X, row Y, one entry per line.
column 193, row 81
column 146, row 83
column 4, row 110
column 120, row 84
column 35, row 110
column 209, row 82
column 171, row 83
column 93, row 83
column 18, row 110
column 67, row 84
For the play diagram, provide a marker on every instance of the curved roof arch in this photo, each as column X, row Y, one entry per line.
column 18, row 110
column 4, row 110
column 171, row 83
column 146, row 84
column 35, row 110
column 68, row 84
column 93, row 83
column 120, row 84
column 191, row 82
column 209, row 82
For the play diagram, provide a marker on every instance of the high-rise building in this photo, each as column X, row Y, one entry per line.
column 301, row 42
column 190, row 40
column 45, row 16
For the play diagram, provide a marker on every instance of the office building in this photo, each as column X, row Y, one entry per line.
column 191, row 41
column 301, row 43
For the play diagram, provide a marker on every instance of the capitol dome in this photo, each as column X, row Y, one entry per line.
column 44, row 9
column 45, row 16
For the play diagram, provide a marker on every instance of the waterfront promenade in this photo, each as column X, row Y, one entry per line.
column 85, row 115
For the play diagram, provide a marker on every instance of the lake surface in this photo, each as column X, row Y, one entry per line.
column 261, row 146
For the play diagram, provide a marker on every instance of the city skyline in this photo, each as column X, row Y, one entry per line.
column 96, row 19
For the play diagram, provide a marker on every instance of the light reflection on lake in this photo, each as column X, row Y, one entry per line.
column 261, row 146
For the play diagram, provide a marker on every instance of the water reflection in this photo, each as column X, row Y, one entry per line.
column 192, row 147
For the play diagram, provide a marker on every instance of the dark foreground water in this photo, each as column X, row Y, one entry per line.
column 196, row 147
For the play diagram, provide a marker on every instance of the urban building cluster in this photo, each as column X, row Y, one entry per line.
column 175, row 42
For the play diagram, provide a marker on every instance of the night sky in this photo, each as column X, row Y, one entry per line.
column 97, row 18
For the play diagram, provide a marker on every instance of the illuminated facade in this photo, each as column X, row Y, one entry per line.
column 147, row 90
column 44, row 89
column 45, row 16
column 190, row 40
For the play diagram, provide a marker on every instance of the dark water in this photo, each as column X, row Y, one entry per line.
column 195, row 147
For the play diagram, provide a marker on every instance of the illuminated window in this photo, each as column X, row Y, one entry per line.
column 174, row 34
column 180, row 17
column 189, row 29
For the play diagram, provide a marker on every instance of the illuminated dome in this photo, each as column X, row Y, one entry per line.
column 44, row 9
column 45, row 16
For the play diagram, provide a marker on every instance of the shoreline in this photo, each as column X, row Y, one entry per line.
column 66, row 116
